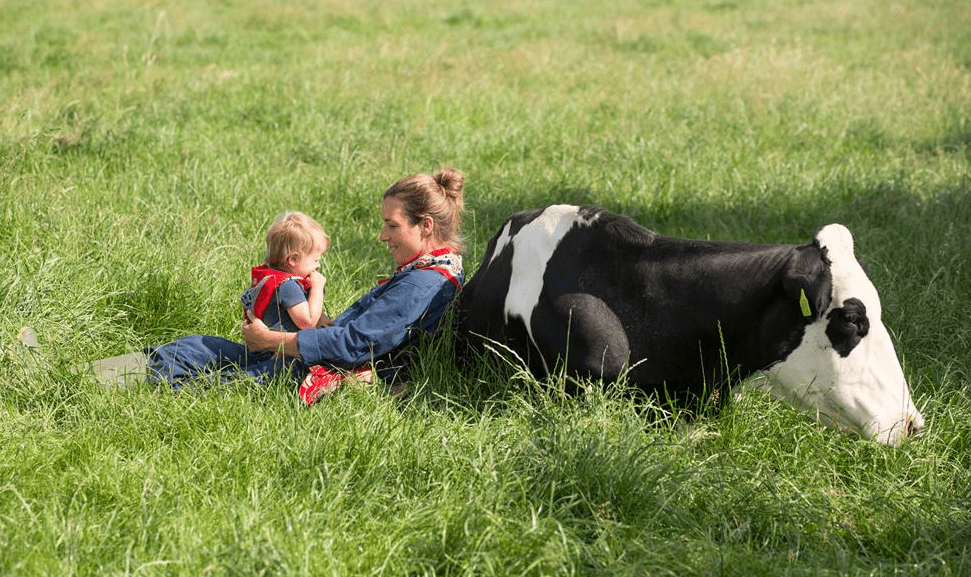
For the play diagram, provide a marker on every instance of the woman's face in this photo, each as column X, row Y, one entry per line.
column 404, row 239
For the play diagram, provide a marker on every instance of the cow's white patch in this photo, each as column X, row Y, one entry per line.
column 849, row 279
column 533, row 246
column 501, row 241
column 865, row 391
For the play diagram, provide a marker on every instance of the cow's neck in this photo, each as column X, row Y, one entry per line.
column 728, row 292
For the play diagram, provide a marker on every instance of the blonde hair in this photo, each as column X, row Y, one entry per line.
column 439, row 197
column 293, row 232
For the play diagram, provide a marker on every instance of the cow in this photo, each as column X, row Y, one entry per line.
column 595, row 295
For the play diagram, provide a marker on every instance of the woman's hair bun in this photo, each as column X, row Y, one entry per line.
column 451, row 182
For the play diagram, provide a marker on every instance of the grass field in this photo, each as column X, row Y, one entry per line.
column 145, row 146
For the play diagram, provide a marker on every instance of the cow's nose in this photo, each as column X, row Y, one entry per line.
column 915, row 424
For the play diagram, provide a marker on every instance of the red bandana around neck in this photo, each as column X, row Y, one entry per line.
column 445, row 261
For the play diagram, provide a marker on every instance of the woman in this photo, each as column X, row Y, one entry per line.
column 421, row 216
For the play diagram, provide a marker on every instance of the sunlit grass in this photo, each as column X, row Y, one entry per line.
column 144, row 148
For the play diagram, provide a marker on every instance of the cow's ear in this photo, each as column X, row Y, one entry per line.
column 807, row 281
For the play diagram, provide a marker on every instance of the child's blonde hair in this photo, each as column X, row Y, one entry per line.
column 293, row 232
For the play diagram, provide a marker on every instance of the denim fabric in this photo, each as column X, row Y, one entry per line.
column 199, row 355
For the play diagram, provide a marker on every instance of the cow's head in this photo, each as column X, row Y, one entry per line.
column 845, row 369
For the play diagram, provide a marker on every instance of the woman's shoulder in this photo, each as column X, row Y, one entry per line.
column 416, row 285
column 421, row 277
column 435, row 276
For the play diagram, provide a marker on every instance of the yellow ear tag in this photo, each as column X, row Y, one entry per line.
column 804, row 304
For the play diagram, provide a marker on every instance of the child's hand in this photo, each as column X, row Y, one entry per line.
column 325, row 321
column 316, row 279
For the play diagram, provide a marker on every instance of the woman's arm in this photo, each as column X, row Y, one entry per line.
column 380, row 321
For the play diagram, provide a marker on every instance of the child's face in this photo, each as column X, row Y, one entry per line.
column 302, row 264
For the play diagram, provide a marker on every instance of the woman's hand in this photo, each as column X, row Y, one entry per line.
column 255, row 334
column 259, row 338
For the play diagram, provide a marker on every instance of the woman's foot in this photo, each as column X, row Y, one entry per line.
column 322, row 381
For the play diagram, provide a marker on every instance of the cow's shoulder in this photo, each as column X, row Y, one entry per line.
column 516, row 222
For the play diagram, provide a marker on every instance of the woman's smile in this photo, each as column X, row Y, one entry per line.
column 404, row 239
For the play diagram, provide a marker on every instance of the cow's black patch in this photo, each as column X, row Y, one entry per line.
column 847, row 326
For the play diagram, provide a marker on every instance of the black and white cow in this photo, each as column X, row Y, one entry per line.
column 597, row 294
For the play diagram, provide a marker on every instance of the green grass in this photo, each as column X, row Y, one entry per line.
column 145, row 147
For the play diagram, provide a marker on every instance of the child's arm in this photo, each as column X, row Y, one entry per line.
column 307, row 313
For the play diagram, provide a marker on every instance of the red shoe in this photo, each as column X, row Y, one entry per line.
column 318, row 383
column 322, row 381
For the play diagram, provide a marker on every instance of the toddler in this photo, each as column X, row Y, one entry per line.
column 287, row 290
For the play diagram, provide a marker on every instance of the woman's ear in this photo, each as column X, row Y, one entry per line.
column 427, row 225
